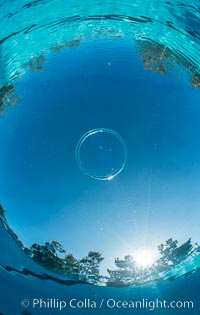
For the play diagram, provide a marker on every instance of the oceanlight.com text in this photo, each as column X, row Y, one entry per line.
column 111, row 303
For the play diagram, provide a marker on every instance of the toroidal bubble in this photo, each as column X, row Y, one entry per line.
column 101, row 153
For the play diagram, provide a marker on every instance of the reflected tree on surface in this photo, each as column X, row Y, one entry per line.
column 8, row 97
column 160, row 58
column 49, row 256
column 127, row 271
column 2, row 211
column 173, row 255
column 54, row 257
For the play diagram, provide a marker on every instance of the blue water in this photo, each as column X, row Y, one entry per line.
column 68, row 68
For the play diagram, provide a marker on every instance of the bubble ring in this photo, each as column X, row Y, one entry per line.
column 81, row 164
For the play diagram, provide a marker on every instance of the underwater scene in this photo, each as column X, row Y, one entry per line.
column 99, row 157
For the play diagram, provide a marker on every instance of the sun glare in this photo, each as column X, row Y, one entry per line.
column 144, row 258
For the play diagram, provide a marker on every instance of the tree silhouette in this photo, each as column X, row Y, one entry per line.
column 8, row 97
column 48, row 256
column 89, row 265
column 54, row 257
column 2, row 211
column 160, row 58
column 196, row 80
column 127, row 269
column 173, row 255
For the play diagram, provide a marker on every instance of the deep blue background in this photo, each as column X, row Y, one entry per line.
column 102, row 84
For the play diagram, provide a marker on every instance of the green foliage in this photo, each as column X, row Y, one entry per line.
column 7, row 95
column 95, row 257
column 128, row 272
column 196, row 80
column 89, row 266
column 160, row 58
column 55, row 258
column 48, row 255
column 171, row 254
column 127, row 263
